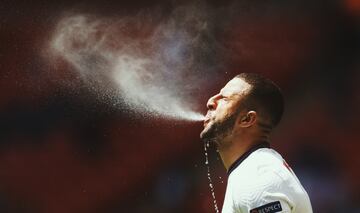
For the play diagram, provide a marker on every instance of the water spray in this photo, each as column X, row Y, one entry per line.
column 154, row 70
column 155, row 73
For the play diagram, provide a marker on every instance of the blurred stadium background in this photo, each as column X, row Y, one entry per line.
column 64, row 150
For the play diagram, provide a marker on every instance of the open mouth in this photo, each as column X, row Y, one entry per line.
column 206, row 121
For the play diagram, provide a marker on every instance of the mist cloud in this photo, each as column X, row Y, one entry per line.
column 154, row 65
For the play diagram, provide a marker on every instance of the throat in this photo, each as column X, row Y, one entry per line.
column 233, row 156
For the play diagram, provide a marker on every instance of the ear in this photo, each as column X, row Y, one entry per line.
column 248, row 119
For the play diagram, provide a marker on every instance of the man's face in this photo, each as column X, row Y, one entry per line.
column 223, row 110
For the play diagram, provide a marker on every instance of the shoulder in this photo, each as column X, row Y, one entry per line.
column 262, row 165
column 261, row 179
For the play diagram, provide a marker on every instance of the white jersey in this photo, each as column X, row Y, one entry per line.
column 260, row 181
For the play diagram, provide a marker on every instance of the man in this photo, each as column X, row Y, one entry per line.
column 239, row 121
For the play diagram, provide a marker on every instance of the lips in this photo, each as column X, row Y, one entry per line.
column 206, row 122
column 207, row 118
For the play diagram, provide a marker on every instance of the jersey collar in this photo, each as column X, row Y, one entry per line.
column 233, row 166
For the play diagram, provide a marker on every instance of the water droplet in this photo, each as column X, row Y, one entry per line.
column 212, row 189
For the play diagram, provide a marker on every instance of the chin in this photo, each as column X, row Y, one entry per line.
column 206, row 129
column 217, row 131
column 203, row 134
column 207, row 133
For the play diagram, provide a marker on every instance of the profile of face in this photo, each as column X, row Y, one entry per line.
column 223, row 110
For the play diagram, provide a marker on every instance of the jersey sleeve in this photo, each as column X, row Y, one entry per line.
column 269, row 204
column 266, row 194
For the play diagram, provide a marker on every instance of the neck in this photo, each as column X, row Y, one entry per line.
column 237, row 148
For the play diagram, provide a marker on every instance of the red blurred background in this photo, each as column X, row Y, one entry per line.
column 64, row 150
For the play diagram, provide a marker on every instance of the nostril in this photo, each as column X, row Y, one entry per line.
column 211, row 105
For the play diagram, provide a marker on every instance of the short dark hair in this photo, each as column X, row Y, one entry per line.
column 264, row 97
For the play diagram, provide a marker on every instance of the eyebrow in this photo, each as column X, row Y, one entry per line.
column 225, row 95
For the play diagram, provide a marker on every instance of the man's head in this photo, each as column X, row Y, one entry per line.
column 248, row 102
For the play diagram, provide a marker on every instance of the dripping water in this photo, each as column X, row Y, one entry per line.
column 211, row 185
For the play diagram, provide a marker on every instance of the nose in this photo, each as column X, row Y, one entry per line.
column 212, row 102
